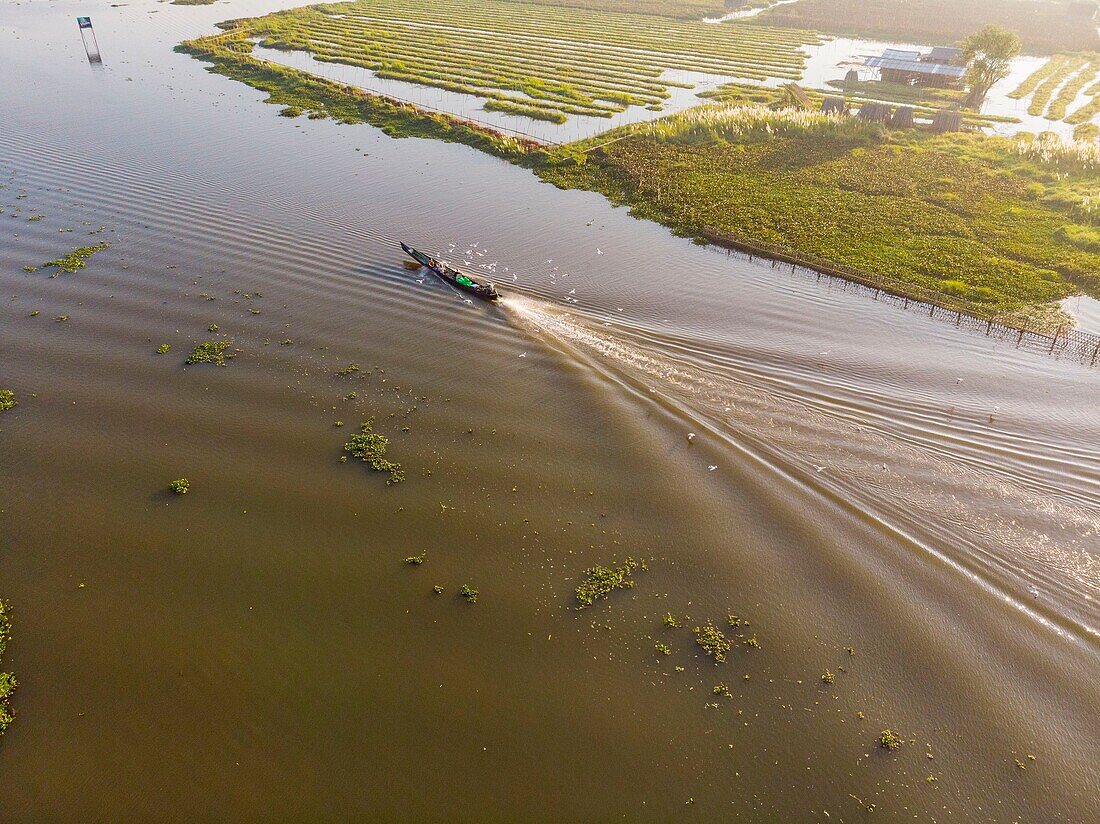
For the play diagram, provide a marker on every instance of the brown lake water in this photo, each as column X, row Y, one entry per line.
column 860, row 476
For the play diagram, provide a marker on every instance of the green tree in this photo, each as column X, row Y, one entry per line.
column 989, row 54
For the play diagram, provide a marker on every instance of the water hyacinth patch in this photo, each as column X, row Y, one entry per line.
column 888, row 740
column 600, row 581
column 211, row 351
column 180, row 486
column 76, row 259
column 7, row 679
column 7, row 400
column 713, row 641
column 469, row 594
column 370, row 447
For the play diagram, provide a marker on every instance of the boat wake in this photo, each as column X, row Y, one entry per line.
column 974, row 506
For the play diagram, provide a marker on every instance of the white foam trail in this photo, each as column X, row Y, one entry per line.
column 992, row 526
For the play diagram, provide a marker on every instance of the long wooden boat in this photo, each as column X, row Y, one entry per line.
column 457, row 279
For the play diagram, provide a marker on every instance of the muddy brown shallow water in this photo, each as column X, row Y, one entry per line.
column 258, row 650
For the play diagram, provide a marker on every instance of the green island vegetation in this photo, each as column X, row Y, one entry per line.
column 7, row 400
column 1044, row 27
column 370, row 447
column 76, row 259
column 997, row 227
column 181, row 486
column 925, row 102
column 600, row 581
column 7, row 679
column 1069, row 75
column 210, row 351
column 516, row 55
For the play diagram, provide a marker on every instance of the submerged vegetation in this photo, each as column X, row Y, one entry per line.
column 76, row 259
column 7, row 679
column 370, row 447
column 600, row 581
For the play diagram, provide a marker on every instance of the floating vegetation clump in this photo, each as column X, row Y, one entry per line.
column 828, row 677
column 417, row 560
column 713, row 641
column 348, row 370
column 211, row 351
column 468, row 593
column 370, row 447
column 76, row 259
column 888, row 740
column 670, row 620
column 163, row 349
column 180, row 486
column 7, row 399
column 7, row 679
column 663, row 648
column 600, row 581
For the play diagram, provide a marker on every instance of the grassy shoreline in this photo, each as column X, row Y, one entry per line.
column 969, row 222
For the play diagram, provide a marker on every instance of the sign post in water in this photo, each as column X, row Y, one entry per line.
column 88, row 33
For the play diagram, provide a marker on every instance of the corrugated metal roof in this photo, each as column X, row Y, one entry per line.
column 901, row 54
column 915, row 66
column 947, row 53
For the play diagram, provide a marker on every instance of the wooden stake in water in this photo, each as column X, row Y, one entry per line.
column 86, row 32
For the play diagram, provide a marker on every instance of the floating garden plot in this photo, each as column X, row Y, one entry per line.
column 538, row 61
column 1058, row 83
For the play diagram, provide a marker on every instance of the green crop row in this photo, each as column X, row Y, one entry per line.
column 1068, row 93
column 1032, row 81
column 1045, row 91
column 528, row 58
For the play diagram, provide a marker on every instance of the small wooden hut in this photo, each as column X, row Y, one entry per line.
column 902, row 118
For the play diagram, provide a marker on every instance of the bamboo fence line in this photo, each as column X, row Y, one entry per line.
column 1065, row 340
